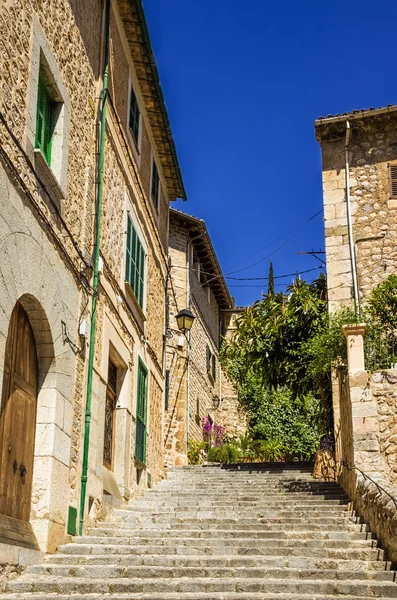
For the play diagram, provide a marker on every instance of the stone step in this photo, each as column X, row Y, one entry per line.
column 238, row 486
column 276, row 560
column 217, row 541
column 271, row 569
column 211, row 517
column 160, row 495
column 176, row 534
column 219, row 524
column 184, row 596
column 259, row 532
column 313, row 582
column 347, row 550
column 242, row 505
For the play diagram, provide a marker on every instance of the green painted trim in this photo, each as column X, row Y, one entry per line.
column 95, row 285
column 72, row 521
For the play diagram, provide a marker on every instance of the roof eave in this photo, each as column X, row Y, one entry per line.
column 200, row 223
column 354, row 116
column 156, row 108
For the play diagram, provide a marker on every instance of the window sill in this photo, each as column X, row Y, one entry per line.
column 134, row 305
column 49, row 179
column 139, row 464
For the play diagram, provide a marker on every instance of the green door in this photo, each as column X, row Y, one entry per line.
column 141, row 414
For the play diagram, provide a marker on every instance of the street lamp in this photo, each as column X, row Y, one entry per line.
column 185, row 320
column 216, row 402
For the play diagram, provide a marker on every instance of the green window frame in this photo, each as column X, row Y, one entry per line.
column 141, row 413
column 44, row 120
column 135, row 263
column 134, row 115
column 155, row 187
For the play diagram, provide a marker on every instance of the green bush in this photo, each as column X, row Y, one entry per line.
column 292, row 427
column 223, row 454
column 194, row 454
column 270, row 450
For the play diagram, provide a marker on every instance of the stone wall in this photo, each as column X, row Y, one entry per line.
column 372, row 147
column 47, row 236
column 192, row 386
column 365, row 434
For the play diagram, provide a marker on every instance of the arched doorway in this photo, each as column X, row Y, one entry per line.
column 18, row 417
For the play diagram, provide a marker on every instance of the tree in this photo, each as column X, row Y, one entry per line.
column 270, row 286
column 271, row 336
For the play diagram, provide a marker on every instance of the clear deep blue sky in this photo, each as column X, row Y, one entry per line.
column 243, row 84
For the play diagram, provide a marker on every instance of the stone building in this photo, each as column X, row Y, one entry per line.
column 366, row 143
column 359, row 153
column 195, row 379
column 53, row 73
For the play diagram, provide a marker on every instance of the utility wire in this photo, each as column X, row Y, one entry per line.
column 276, row 276
column 261, row 260
column 279, row 248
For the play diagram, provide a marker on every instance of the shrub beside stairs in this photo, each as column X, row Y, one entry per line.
column 238, row 532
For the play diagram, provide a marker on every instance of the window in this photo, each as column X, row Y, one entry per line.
column 135, row 263
column 44, row 120
column 134, row 115
column 211, row 363
column 155, row 187
column 141, row 414
column 393, row 180
column 110, row 416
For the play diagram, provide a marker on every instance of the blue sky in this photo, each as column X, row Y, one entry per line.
column 243, row 83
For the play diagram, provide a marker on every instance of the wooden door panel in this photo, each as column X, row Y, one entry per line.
column 18, row 418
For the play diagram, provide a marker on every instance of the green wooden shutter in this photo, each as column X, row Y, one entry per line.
column 44, row 121
column 141, row 414
column 135, row 263
column 213, row 359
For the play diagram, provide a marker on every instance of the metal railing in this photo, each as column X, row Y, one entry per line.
column 366, row 476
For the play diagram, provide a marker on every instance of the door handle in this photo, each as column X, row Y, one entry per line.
column 22, row 469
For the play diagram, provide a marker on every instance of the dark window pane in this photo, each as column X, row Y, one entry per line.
column 134, row 115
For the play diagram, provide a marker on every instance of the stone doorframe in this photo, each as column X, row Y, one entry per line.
column 33, row 274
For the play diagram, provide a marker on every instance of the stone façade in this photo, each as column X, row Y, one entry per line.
column 47, row 222
column 196, row 282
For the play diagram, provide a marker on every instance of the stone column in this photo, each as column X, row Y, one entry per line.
column 364, row 413
column 355, row 346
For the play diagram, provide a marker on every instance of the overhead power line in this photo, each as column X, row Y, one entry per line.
column 282, row 245
column 261, row 260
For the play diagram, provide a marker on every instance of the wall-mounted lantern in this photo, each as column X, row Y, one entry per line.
column 185, row 320
column 216, row 402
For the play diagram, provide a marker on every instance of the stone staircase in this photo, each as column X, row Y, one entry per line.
column 244, row 532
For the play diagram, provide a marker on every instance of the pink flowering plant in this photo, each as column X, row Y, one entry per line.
column 207, row 429
column 213, row 433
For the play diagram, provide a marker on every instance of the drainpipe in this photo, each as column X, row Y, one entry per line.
column 95, row 285
column 188, row 252
column 349, row 224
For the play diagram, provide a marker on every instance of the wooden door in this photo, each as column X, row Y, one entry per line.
column 18, row 418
